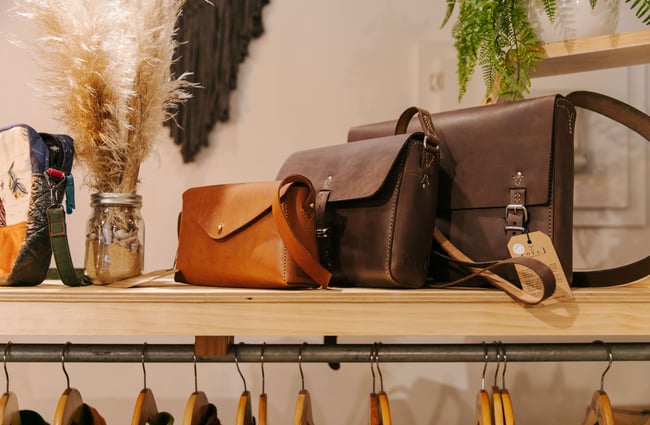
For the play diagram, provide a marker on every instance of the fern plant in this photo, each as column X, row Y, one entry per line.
column 497, row 36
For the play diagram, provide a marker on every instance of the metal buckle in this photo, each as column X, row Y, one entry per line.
column 323, row 233
column 516, row 208
column 516, row 229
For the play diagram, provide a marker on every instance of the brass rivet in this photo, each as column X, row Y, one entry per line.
column 220, row 228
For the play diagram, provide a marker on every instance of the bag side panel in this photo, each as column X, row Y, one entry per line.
column 415, row 216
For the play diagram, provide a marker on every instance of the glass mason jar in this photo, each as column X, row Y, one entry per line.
column 114, row 238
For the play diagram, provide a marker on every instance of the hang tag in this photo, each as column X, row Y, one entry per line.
column 538, row 245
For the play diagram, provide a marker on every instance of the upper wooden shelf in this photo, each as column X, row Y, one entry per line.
column 588, row 54
column 174, row 309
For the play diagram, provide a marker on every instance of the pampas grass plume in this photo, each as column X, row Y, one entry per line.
column 106, row 67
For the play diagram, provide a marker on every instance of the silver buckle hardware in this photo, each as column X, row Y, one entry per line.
column 323, row 232
column 516, row 208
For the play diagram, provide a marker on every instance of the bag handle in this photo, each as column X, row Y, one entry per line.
column 639, row 122
column 425, row 123
column 295, row 247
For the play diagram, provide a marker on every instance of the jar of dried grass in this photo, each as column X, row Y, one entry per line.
column 114, row 238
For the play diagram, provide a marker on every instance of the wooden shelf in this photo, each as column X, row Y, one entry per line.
column 588, row 54
column 183, row 310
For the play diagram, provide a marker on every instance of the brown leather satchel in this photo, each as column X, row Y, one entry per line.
column 257, row 235
column 507, row 169
column 375, row 206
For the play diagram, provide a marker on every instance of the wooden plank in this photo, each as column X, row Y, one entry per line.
column 183, row 310
column 588, row 54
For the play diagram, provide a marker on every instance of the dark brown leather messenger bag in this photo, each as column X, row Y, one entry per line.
column 507, row 169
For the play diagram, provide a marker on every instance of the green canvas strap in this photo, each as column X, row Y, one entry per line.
column 60, row 247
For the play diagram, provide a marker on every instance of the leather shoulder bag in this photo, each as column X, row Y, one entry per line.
column 507, row 169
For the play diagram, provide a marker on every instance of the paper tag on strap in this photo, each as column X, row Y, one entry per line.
column 537, row 245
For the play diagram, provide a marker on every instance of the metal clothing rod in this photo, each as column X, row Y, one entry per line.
column 315, row 353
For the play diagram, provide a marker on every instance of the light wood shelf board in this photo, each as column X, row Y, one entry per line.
column 173, row 309
column 588, row 54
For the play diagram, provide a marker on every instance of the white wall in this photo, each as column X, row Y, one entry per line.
column 321, row 66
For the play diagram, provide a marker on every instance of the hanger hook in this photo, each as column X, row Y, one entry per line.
column 381, row 376
column 609, row 364
column 144, row 369
column 505, row 364
column 372, row 368
column 196, row 375
column 498, row 350
column 65, row 372
column 4, row 362
column 302, row 375
column 262, row 365
column 485, row 350
column 238, row 369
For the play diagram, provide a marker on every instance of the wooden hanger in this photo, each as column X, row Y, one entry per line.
column 600, row 409
column 197, row 404
column 374, row 412
column 9, row 411
column 262, row 405
column 483, row 415
column 303, row 412
column 483, row 410
column 195, row 408
column 244, row 415
column 69, row 408
column 497, row 406
column 145, row 409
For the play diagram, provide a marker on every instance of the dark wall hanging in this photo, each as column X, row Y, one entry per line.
column 215, row 38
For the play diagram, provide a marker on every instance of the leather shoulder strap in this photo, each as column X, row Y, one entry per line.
column 639, row 122
column 543, row 272
column 295, row 247
column 60, row 247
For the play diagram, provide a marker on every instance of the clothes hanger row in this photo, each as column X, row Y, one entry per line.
column 497, row 409
column 493, row 408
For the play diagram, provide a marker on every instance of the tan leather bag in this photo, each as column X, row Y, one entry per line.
column 255, row 235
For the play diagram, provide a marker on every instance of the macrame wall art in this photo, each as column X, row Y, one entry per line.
column 215, row 37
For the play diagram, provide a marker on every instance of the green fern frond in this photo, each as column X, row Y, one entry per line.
column 641, row 9
column 451, row 4
column 496, row 36
column 550, row 7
